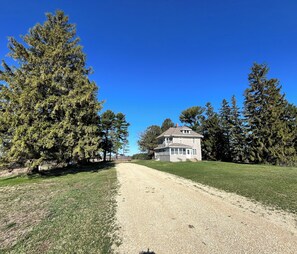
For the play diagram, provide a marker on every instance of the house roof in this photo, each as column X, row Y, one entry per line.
column 172, row 145
column 179, row 132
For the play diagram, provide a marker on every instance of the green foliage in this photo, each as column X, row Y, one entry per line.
column 237, row 134
column 148, row 139
column 233, row 137
column 271, row 185
column 107, row 125
column 167, row 123
column 121, row 133
column 226, row 126
column 48, row 104
column 212, row 144
column 270, row 139
column 267, row 134
column 141, row 156
column 114, row 132
column 193, row 117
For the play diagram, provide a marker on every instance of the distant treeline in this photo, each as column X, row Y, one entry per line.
column 263, row 131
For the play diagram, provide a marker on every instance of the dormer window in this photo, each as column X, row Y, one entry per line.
column 186, row 131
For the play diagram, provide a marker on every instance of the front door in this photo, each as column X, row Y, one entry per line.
column 188, row 153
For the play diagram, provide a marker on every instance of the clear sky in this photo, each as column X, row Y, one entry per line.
column 154, row 58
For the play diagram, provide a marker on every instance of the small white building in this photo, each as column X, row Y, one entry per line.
column 179, row 144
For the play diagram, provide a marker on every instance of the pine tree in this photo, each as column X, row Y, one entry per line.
column 107, row 128
column 121, row 133
column 225, row 123
column 49, row 105
column 213, row 137
column 167, row 123
column 148, row 139
column 237, row 134
column 269, row 137
column 291, row 118
column 193, row 118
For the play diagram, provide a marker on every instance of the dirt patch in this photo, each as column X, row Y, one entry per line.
column 13, row 172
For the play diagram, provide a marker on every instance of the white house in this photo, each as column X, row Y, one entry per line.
column 179, row 144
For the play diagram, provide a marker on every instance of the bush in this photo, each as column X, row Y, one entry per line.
column 141, row 156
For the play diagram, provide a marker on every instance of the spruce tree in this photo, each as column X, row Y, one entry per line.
column 237, row 134
column 291, row 118
column 225, row 122
column 48, row 104
column 269, row 136
column 213, row 137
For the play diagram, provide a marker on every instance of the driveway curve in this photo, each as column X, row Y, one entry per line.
column 168, row 214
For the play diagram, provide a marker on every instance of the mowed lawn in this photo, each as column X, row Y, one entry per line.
column 68, row 213
column 270, row 185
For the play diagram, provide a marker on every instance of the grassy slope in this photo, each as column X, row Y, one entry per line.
column 271, row 185
column 72, row 213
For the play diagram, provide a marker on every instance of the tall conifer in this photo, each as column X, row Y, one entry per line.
column 269, row 136
column 225, row 122
column 237, row 134
column 49, row 105
column 212, row 132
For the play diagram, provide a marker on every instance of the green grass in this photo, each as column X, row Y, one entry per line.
column 69, row 213
column 270, row 185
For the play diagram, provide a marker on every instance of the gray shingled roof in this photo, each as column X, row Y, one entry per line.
column 177, row 132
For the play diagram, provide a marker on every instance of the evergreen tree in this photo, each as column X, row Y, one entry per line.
column 148, row 139
column 237, row 134
column 269, row 137
column 107, row 127
column 225, row 122
column 167, row 123
column 213, row 137
column 121, row 133
column 291, row 118
column 49, row 105
column 114, row 133
column 193, row 118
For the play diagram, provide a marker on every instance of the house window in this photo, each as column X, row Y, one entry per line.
column 172, row 150
column 184, row 151
column 194, row 151
column 188, row 151
column 175, row 150
column 180, row 151
column 193, row 140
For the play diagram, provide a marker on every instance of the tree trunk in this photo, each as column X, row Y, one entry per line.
column 104, row 155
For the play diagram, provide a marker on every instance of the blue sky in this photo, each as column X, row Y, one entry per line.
column 154, row 58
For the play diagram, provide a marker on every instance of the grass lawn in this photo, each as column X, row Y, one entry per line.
column 70, row 211
column 270, row 185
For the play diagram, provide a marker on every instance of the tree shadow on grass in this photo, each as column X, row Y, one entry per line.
column 55, row 172
column 74, row 169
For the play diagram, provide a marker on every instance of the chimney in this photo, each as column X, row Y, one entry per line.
column 176, row 125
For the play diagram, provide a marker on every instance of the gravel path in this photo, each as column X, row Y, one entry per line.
column 168, row 214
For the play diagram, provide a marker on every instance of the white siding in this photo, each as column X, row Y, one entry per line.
column 189, row 141
column 194, row 145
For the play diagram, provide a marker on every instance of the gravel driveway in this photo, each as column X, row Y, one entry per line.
column 168, row 214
